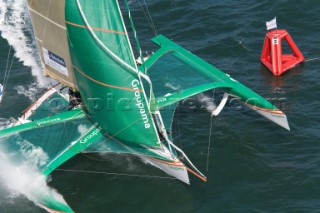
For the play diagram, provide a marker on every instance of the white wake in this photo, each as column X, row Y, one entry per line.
column 16, row 29
column 19, row 172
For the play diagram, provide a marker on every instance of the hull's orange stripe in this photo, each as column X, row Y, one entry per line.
column 197, row 175
column 266, row 110
column 176, row 163
column 180, row 164
column 50, row 210
column 96, row 29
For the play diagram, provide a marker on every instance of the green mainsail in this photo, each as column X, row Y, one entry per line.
column 125, row 107
column 106, row 71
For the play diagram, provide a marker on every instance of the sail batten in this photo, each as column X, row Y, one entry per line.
column 46, row 18
column 104, row 84
column 96, row 29
column 127, row 62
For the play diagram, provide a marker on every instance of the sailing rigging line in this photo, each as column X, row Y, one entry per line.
column 127, row 36
column 161, row 127
column 179, row 130
column 182, row 152
column 112, row 137
column 5, row 74
column 148, row 17
column 8, row 70
column 135, row 35
column 114, row 173
column 312, row 59
column 209, row 144
column 140, row 74
column 210, row 135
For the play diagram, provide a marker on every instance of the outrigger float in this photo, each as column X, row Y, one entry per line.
column 85, row 45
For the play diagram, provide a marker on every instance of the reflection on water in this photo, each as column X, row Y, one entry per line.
column 279, row 81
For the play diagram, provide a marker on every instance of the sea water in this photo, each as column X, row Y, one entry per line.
column 252, row 165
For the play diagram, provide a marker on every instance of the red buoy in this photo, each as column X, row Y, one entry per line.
column 272, row 56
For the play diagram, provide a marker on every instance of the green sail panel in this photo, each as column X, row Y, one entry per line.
column 106, row 72
column 105, row 19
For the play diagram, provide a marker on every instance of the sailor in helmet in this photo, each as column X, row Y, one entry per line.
column 74, row 98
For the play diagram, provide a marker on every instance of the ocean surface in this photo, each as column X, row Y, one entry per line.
column 251, row 164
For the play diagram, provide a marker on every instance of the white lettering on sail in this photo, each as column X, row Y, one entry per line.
column 135, row 83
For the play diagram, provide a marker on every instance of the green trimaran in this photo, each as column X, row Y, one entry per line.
column 85, row 45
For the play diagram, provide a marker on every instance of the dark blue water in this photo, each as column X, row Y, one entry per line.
column 254, row 165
